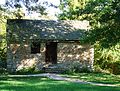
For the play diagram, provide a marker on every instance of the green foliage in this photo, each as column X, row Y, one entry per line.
column 2, row 40
column 29, row 70
column 75, row 67
column 31, row 6
column 71, row 9
column 104, row 18
column 3, row 48
column 26, row 70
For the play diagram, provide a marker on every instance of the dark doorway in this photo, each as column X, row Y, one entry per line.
column 51, row 52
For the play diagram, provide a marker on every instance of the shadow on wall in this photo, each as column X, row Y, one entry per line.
column 21, row 34
column 22, row 30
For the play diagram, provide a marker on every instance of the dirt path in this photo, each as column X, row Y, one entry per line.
column 58, row 77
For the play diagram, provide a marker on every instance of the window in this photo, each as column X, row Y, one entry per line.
column 35, row 47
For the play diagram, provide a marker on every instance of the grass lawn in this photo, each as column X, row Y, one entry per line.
column 97, row 77
column 45, row 84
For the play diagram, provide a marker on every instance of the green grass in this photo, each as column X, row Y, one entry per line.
column 45, row 84
column 97, row 77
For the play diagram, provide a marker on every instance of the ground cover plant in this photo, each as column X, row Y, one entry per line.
column 45, row 84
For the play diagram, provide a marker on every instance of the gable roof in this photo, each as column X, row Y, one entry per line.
column 45, row 29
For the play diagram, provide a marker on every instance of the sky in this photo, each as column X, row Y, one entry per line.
column 50, row 10
column 2, row 1
column 55, row 2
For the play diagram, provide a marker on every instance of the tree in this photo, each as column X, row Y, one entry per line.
column 3, row 15
column 71, row 9
column 104, row 17
column 31, row 6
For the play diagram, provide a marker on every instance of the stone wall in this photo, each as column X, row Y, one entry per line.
column 76, row 55
column 19, row 56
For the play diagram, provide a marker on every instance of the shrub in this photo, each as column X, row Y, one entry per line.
column 28, row 70
column 75, row 67
column 3, row 63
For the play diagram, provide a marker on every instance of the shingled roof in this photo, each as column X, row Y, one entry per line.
column 45, row 29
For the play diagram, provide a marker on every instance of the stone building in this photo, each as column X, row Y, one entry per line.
column 47, row 43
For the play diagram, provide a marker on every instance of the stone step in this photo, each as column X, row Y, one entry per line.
column 53, row 70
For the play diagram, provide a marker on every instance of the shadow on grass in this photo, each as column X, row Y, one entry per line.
column 45, row 84
column 97, row 77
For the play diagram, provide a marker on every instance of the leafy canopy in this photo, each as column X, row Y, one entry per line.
column 104, row 18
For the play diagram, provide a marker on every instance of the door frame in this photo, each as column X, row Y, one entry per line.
column 51, row 52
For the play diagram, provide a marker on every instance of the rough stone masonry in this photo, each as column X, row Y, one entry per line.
column 31, row 42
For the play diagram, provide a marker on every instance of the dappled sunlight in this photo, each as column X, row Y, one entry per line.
column 45, row 84
column 46, row 29
column 67, row 33
column 97, row 77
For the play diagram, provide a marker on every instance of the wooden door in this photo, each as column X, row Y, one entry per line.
column 51, row 52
